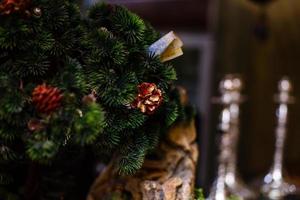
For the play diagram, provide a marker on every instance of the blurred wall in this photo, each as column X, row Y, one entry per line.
column 171, row 14
column 262, row 56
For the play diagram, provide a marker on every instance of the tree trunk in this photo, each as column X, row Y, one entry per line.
column 171, row 177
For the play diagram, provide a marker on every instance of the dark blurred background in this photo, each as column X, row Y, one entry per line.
column 260, row 39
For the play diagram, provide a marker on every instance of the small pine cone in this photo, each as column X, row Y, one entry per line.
column 10, row 6
column 46, row 99
column 91, row 98
column 35, row 125
column 149, row 98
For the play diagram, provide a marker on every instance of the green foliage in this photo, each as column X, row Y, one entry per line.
column 7, row 195
column 36, row 50
column 199, row 194
column 117, row 60
column 129, row 26
column 103, row 58
column 88, row 126
column 5, row 179
column 171, row 113
column 41, row 150
column 131, row 158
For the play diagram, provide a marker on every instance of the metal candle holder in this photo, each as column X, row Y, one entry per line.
column 232, row 178
column 228, row 183
column 274, row 184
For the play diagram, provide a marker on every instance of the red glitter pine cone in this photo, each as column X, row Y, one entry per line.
column 46, row 99
column 149, row 98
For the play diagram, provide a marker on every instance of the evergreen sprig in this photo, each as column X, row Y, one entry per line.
column 96, row 64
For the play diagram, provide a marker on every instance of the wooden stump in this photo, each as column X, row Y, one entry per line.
column 169, row 178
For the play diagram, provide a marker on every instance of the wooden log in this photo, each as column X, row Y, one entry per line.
column 171, row 177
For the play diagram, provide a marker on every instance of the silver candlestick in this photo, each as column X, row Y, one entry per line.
column 274, row 184
column 219, row 191
column 227, row 182
column 232, row 178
